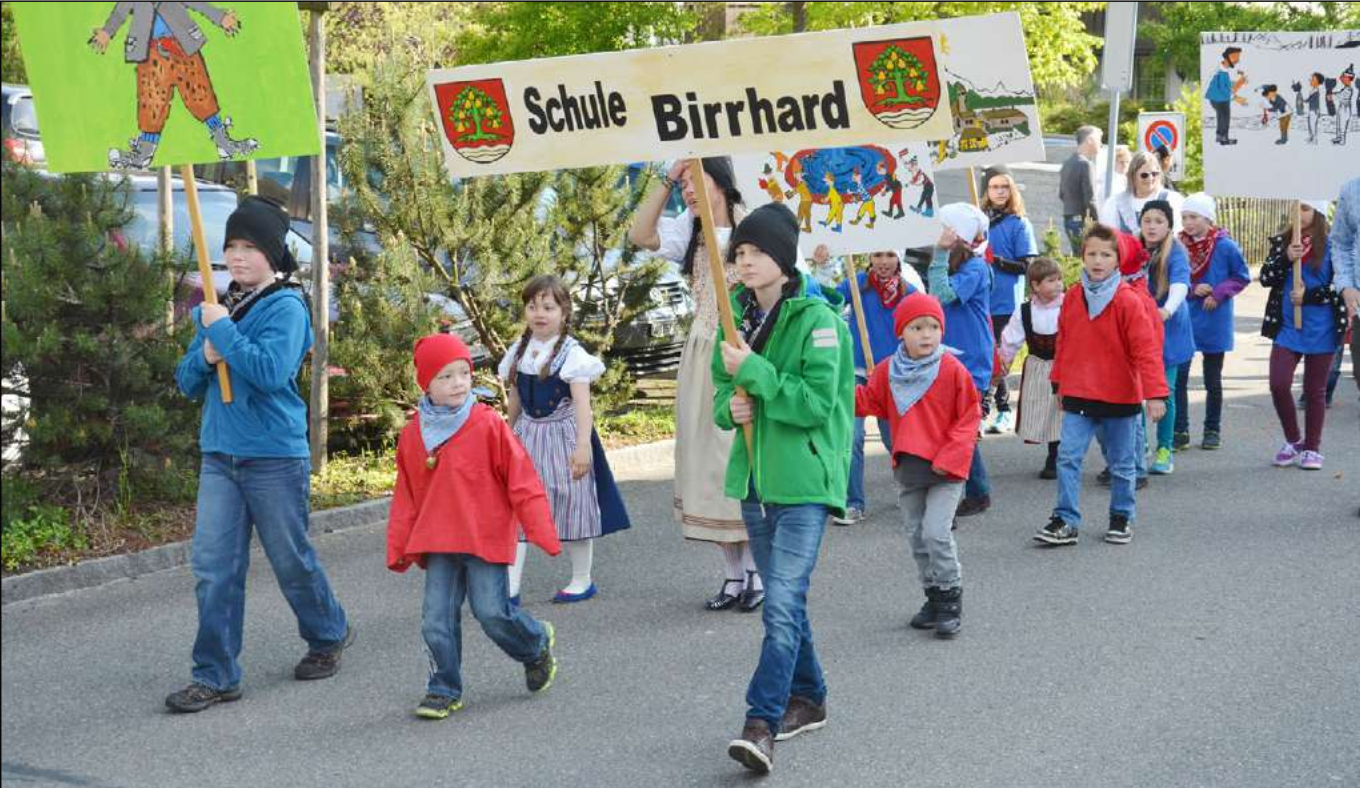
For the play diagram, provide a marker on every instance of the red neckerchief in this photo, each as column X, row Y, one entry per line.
column 1201, row 251
column 1307, row 241
column 890, row 290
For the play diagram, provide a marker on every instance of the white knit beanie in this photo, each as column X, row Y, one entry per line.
column 1200, row 204
column 1323, row 207
column 966, row 220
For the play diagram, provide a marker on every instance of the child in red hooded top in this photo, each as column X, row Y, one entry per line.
column 935, row 409
column 464, row 488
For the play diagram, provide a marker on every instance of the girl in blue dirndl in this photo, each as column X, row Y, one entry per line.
column 549, row 375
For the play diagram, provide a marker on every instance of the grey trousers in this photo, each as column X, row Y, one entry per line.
column 927, row 507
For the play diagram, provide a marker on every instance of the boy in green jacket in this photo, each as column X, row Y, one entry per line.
column 793, row 360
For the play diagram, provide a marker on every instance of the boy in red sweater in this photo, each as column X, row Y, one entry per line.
column 935, row 409
column 464, row 484
column 1108, row 362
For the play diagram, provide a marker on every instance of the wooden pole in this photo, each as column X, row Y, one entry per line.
column 858, row 303
column 1298, row 264
column 321, row 279
column 973, row 187
column 252, row 180
column 719, row 276
column 186, row 174
column 165, row 215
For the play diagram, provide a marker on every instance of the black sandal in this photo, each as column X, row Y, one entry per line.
column 724, row 600
column 751, row 598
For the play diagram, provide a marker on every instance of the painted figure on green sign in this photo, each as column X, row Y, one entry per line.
column 166, row 46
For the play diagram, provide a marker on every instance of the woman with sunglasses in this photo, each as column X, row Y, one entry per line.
column 1121, row 211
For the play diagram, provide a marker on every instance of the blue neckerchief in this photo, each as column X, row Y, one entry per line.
column 911, row 378
column 438, row 423
column 1099, row 294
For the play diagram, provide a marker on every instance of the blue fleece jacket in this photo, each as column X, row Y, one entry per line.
column 267, row 417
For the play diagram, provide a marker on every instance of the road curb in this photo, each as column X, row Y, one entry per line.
column 114, row 568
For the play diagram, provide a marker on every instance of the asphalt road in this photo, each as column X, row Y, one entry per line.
column 1218, row 649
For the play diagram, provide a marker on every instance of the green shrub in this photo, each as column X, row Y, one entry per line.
column 43, row 529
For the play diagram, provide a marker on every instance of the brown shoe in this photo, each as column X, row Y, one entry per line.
column 755, row 748
column 802, row 715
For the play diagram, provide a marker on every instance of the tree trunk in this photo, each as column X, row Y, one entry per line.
column 798, row 10
column 321, row 280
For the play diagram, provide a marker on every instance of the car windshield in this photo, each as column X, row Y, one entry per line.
column 216, row 206
column 25, row 118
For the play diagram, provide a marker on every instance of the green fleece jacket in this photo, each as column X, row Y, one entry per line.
column 803, row 386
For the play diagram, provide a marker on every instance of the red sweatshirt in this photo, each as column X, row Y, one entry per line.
column 941, row 428
column 483, row 486
column 1116, row 358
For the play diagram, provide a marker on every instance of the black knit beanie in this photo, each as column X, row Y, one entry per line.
column 772, row 229
column 264, row 223
column 1164, row 207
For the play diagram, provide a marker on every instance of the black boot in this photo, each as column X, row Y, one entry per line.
column 925, row 618
column 949, row 620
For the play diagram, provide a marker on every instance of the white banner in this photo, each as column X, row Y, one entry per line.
column 856, row 200
column 841, row 87
column 990, row 94
column 1281, row 113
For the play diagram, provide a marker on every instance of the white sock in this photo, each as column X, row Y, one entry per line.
column 736, row 570
column 582, row 555
column 517, row 568
column 748, row 563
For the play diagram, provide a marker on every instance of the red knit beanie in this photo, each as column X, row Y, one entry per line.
column 1132, row 255
column 436, row 351
column 916, row 305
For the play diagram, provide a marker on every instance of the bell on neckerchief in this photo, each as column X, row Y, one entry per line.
column 431, row 461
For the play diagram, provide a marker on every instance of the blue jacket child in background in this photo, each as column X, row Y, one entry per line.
column 963, row 285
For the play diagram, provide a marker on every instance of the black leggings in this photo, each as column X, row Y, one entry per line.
column 1001, row 394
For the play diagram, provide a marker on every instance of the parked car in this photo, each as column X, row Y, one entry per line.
column 19, row 126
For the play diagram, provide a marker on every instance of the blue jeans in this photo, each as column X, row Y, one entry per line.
column 1118, row 441
column 1140, row 457
column 979, row 485
column 270, row 495
column 854, row 496
column 784, row 543
column 1076, row 228
column 449, row 577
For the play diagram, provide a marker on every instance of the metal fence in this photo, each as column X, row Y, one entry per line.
column 1252, row 221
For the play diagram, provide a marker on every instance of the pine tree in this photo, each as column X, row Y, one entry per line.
column 84, row 334
column 483, row 239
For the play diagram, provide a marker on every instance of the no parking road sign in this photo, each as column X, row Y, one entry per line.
column 1164, row 129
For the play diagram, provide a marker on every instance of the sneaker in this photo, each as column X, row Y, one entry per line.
column 438, row 707
column 971, row 506
column 1004, row 422
column 1212, row 441
column 852, row 515
column 197, row 697
column 323, row 664
column 1057, row 532
column 539, row 674
column 988, row 424
column 1119, row 530
column 1163, row 465
column 754, row 749
column 1180, row 441
column 801, row 716
column 1310, row 461
column 950, row 618
column 1287, row 455
column 1104, row 477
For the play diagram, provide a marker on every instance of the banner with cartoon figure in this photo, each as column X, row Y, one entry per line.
column 813, row 90
column 856, row 200
column 132, row 86
column 1281, row 113
column 990, row 94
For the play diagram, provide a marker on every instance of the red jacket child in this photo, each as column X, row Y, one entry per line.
column 470, row 495
column 1114, row 359
column 942, row 426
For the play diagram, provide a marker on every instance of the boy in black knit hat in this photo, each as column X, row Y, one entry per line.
column 793, row 361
